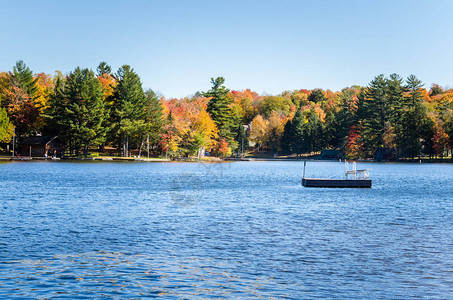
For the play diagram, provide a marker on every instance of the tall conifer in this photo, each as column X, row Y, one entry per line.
column 219, row 108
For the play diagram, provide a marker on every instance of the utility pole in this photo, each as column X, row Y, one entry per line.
column 147, row 140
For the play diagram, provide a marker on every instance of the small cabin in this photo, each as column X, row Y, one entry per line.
column 42, row 146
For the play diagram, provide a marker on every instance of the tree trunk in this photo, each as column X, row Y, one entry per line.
column 122, row 145
column 127, row 145
column 140, row 148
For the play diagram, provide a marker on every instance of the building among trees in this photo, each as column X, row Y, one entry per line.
column 42, row 146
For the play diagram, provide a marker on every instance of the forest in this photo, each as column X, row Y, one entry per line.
column 97, row 111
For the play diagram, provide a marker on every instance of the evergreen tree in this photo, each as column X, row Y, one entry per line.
column 297, row 133
column 241, row 137
column 377, row 111
column 317, row 95
column 154, row 117
column 448, row 126
column 19, row 93
column 128, row 109
column 395, row 92
column 415, row 121
column 55, row 114
column 22, row 77
column 414, row 86
column 398, row 106
column 303, row 134
column 427, row 133
column 287, row 141
column 312, row 133
column 79, row 111
column 436, row 90
column 345, row 116
column 103, row 68
column 219, row 108
column 333, row 133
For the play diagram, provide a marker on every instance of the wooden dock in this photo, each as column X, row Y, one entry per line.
column 336, row 183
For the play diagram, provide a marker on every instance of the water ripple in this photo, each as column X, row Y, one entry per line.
column 236, row 230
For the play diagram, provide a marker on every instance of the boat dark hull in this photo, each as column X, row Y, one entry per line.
column 336, row 183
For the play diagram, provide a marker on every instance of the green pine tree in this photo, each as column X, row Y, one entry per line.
column 129, row 110
column 333, row 132
column 240, row 137
column 103, row 68
column 298, row 142
column 398, row 106
column 345, row 117
column 79, row 111
column 287, row 141
column 22, row 77
column 414, row 120
column 312, row 133
column 22, row 113
column 219, row 108
column 55, row 114
column 154, row 118
column 376, row 112
column 317, row 95
column 447, row 116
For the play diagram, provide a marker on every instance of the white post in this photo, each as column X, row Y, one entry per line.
column 346, row 169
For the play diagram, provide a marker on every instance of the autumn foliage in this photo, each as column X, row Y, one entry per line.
column 401, row 117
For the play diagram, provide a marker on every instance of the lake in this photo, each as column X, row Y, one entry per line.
column 223, row 230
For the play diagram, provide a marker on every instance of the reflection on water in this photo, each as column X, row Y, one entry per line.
column 236, row 230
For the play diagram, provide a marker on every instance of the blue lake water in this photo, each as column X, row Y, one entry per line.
column 223, row 230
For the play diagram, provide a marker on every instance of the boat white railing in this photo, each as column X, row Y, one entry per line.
column 354, row 173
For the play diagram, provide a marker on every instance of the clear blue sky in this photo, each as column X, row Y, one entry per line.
column 267, row 46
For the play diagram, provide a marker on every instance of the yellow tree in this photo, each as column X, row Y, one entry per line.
column 205, row 130
column 4, row 86
column 275, row 130
column 43, row 93
column 259, row 131
column 44, row 89
column 245, row 104
column 176, row 126
column 6, row 128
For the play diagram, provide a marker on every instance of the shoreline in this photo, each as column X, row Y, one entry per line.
column 110, row 159
column 211, row 160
